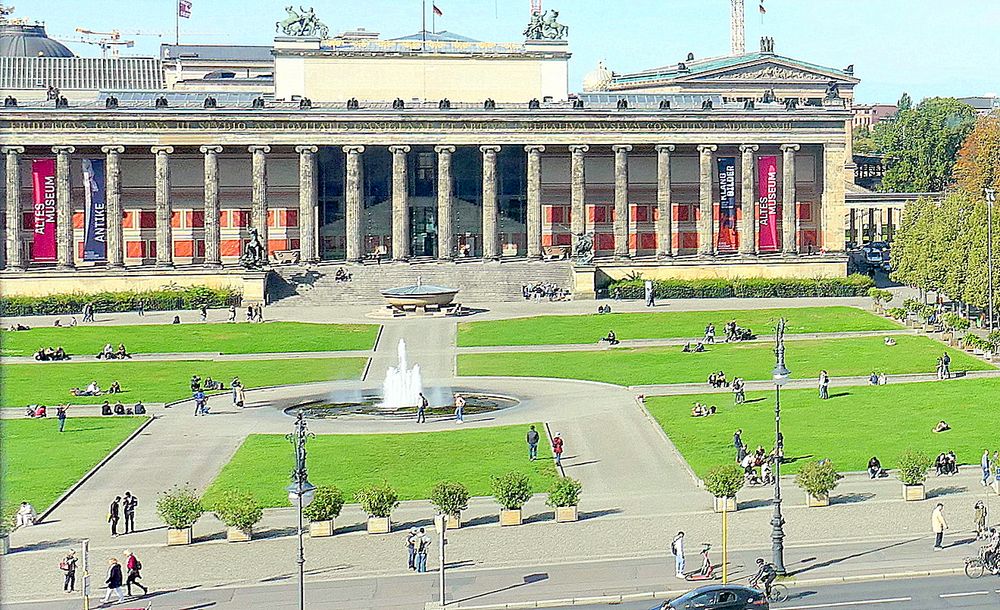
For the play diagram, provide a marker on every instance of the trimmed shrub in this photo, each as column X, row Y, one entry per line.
column 897, row 313
column 168, row 298
column 817, row 478
column 913, row 467
column 179, row 507
column 565, row 492
column 238, row 508
column 378, row 500
column 512, row 490
column 724, row 481
column 450, row 498
column 750, row 288
column 326, row 504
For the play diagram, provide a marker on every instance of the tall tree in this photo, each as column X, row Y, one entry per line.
column 904, row 103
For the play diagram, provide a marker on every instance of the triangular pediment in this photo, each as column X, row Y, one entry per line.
column 768, row 70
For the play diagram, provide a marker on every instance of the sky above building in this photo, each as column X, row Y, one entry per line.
column 923, row 47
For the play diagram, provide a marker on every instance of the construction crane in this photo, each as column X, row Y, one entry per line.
column 107, row 41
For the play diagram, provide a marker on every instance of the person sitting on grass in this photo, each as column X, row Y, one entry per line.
column 700, row 410
column 92, row 390
column 211, row 384
column 107, row 353
column 721, row 378
column 195, row 383
column 739, row 391
column 122, row 353
column 890, row 341
column 14, row 327
column 114, row 388
column 713, row 380
column 699, row 348
column 687, row 348
column 612, row 338
column 875, row 469
column 140, row 409
column 873, row 378
column 106, row 408
column 942, row 426
column 119, row 408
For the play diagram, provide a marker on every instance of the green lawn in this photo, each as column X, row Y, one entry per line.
column 641, row 366
column 50, row 383
column 39, row 463
column 552, row 330
column 273, row 337
column 849, row 428
column 411, row 463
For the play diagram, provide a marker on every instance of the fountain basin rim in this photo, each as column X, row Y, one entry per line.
column 424, row 294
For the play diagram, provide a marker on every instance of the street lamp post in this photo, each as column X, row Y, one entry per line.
column 780, row 376
column 991, row 197
column 300, row 492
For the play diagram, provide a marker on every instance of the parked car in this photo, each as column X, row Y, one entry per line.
column 718, row 597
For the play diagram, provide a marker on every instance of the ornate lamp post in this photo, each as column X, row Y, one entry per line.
column 300, row 492
column 780, row 376
column 991, row 197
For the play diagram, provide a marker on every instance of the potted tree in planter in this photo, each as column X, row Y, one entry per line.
column 511, row 491
column 180, row 508
column 913, row 468
column 565, row 497
column 378, row 501
column 325, row 507
column 240, row 511
column 879, row 298
column 897, row 313
column 6, row 527
column 926, row 313
column 817, row 479
column 723, row 482
column 450, row 499
column 952, row 324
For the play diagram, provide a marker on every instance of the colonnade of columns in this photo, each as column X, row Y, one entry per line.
column 354, row 201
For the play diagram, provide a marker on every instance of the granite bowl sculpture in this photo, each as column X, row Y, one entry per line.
column 420, row 295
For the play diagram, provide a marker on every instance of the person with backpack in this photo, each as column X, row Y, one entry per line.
column 411, row 549
column 114, row 514
column 423, row 545
column 532, row 443
column 557, row 448
column 134, row 567
column 129, row 502
column 68, row 566
column 677, row 550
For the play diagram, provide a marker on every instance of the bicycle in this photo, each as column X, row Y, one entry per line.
column 778, row 593
column 976, row 567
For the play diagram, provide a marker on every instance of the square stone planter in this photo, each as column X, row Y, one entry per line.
column 816, row 501
column 4, row 545
column 321, row 529
column 235, row 534
column 452, row 522
column 567, row 514
column 511, row 517
column 379, row 525
column 178, row 536
column 996, row 487
column 914, row 493
column 725, row 505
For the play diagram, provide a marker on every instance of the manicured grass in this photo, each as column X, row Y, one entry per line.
column 50, row 383
column 272, row 337
column 849, row 428
column 411, row 463
column 642, row 366
column 39, row 463
column 552, row 330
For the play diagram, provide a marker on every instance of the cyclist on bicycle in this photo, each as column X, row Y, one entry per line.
column 765, row 574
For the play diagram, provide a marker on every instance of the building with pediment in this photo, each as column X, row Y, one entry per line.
column 423, row 152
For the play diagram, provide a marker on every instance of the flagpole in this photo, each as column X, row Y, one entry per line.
column 177, row 23
column 423, row 26
column 433, row 19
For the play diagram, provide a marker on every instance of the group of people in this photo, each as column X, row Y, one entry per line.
column 46, row 354
column 718, row 380
column 750, row 462
column 697, row 349
column 88, row 312
column 875, row 470
column 988, row 464
column 734, row 333
column 700, row 410
column 120, row 409
column 946, row 463
column 115, row 578
column 110, row 353
column 58, row 323
column 877, row 378
column 93, row 389
column 533, row 438
column 255, row 313
column 341, row 275
column 544, row 290
column 418, row 544
column 944, row 366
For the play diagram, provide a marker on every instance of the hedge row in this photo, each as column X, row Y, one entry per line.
column 753, row 288
column 154, row 300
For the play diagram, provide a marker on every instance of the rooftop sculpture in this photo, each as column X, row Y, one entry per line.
column 303, row 23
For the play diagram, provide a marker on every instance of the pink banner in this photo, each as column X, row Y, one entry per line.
column 43, row 178
column 767, row 192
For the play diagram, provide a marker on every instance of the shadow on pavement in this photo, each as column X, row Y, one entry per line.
column 946, row 491
column 527, row 580
column 851, row 498
column 837, row 560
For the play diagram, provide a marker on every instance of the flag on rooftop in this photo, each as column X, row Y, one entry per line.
column 184, row 8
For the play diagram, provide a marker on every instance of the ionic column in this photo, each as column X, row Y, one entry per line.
column 621, row 224
column 258, row 173
column 15, row 256
column 664, row 222
column 578, row 191
column 789, row 220
column 534, row 211
column 64, row 209
column 748, row 203
column 706, row 230
column 491, row 245
column 400, row 209
column 113, row 188
column 446, row 235
column 308, row 200
column 353, row 197
column 164, row 234
column 213, row 236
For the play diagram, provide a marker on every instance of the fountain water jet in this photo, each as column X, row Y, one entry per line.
column 402, row 385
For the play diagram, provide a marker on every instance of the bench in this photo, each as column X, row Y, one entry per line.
column 555, row 253
column 286, row 257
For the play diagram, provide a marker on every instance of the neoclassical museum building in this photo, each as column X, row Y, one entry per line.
column 426, row 150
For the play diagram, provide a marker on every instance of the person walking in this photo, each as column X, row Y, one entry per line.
column 739, row 391
column 824, row 385
column 984, row 463
column 979, row 521
column 557, row 448
column 113, row 582
column 129, row 502
column 232, row 314
column 423, row 545
column 114, row 514
column 946, row 365
column 199, row 403
column 533, row 438
column 650, row 298
column 677, row 550
column 133, row 566
column 938, row 525
column 68, row 566
column 61, row 415
column 203, row 310
column 140, row 306
column 422, row 409
column 459, row 408
column 411, row 547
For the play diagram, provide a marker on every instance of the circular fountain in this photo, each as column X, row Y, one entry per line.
column 419, row 296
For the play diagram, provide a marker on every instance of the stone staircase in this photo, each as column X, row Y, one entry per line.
column 478, row 281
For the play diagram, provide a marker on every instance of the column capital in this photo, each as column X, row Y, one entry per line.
column 213, row 149
column 578, row 149
column 749, row 148
column 114, row 149
column 789, row 148
column 12, row 150
column 621, row 148
column 259, row 148
column 161, row 150
column 707, row 149
column 68, row 150
column 444, row 149
column 307, row 150
column 534, row 148
column 489, row 149
column 665, row 148
column 399, row 149
column 354, row 149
